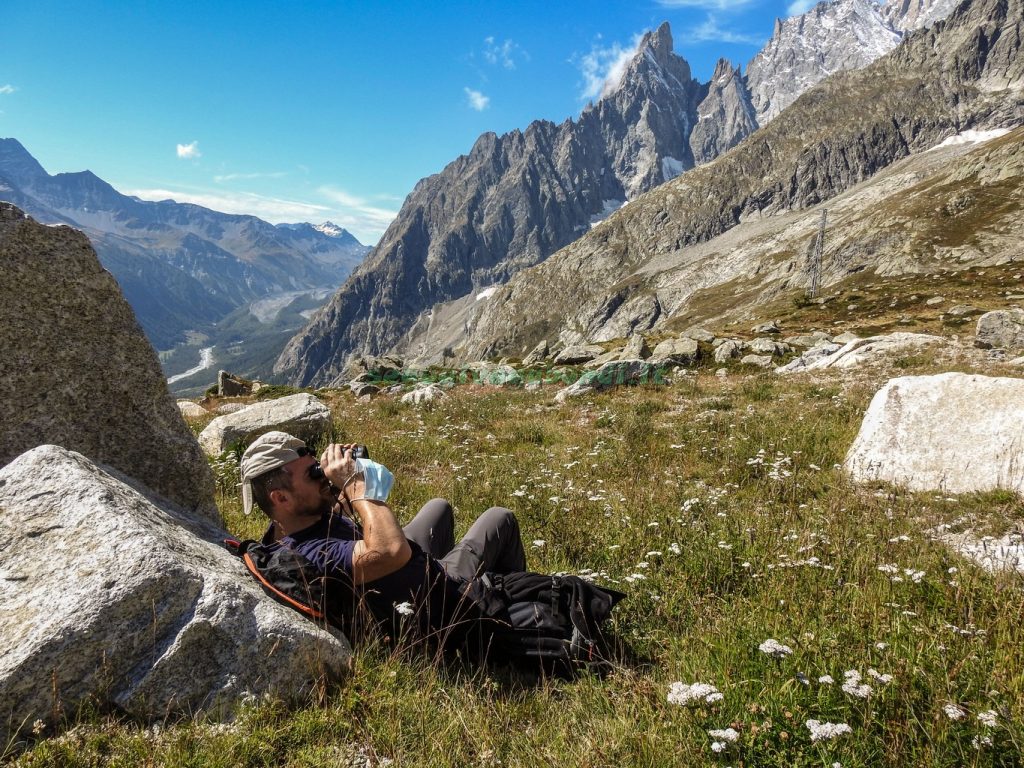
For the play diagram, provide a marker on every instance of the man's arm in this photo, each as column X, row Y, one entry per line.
column 383, row 548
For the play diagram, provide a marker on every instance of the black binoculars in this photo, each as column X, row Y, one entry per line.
column 316, row 472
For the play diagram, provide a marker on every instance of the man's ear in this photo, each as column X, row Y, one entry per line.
column 278, row 496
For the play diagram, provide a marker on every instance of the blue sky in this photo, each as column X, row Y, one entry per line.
column 314, row 111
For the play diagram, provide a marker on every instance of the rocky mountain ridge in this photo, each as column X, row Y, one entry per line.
column 517, row 198
column 964, row 73
column 182, row 267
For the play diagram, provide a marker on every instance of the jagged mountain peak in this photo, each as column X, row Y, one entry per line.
column 330, row 229
column 657, row 41
column 18, row 164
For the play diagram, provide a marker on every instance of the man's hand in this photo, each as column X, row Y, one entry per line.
column 341, row 469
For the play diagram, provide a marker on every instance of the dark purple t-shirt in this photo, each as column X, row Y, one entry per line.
column 329, row 544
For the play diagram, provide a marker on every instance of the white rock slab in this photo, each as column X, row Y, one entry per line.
column 427, row 393
column 105, row 595
column 301, row 415
column 191, row 410
column 860, row 351
column 953, row 432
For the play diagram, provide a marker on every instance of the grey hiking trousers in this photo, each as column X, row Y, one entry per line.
column 492, row 543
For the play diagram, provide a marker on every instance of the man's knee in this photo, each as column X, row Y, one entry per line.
column 501, row 517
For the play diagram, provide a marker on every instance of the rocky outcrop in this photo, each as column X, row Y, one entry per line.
column 725, row 117
column 612, row 374
column 300, row 415
column 126, row 603
column 861, row 351
column 953, row 433
column 77, row 370
column 735, row 221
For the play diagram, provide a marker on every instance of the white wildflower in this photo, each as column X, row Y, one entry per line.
column 881, row 646
column 988, row 718
column 538, row 543
column 826, row 680
column 774, row 648
column 883, row 679
column 853, row 686
column 981, row 741
column 953, row 712
column 826, row 731
column 718, row 746
column 726, row 734
column 889, row 568
column 681, row 693
column 404, row 609
column 675, row 549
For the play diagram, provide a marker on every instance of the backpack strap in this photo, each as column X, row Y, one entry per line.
column 241, row 549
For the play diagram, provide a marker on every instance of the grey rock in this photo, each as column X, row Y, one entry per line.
column 423, row 393
column 364, row 389
column 301, row 415
column 191, row 410
column 1003, row 328
column 728, row 350
column 377, row 368
column 532, row 386
column 761, row 361
column 722, row 373
column 962, row 310
column 675, row 351
column 812, row 355
column 771, row 327
column 538, row 354
column 499, row 376
column 77, row 371
column 768, row 347
column 229, row 385
column 699, row 334
column 576, row 355
column 636, row 348
column 147, row 614
column 845, row 338
column 860, row 351
column 614, row 374
column 808, row 340
column 934, row 301
column 607, row 357
column 951, row 433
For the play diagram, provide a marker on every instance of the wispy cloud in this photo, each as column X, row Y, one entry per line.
column 710, row 5
column 228, row 177
column 800, row 7
column 7, row 88
column 189, row 151
column 358, row 207
column 477, row 100
column 710, row 31
column 603, row 68
column 504, row 53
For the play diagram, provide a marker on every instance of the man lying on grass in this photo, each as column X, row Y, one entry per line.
column 334, row 512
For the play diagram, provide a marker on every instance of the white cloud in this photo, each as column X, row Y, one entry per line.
column 800, row 7
column 710, row 5
column 503, row 53
column 7, row 88
column 358, row 208
column 603, row 68
column 710, row 31
column 477, row 100
column 224, row 178
column 189, row 151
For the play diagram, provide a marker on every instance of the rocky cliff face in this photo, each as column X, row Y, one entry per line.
column 77, row 371
column 507, row 205
column 725, row 117
column 182, row 267
column 962, row 73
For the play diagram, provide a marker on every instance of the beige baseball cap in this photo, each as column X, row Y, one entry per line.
column 267, row 452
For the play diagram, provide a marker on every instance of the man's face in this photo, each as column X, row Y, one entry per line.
column 311, row 497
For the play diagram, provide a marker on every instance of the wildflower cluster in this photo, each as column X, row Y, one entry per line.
column 681, row 693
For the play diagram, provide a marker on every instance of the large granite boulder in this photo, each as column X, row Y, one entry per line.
column 681, row 351
column 810, row 357
column 424, row 393
column 953, row 432
column 538, row 354
column 301, row 415
column 77, row 371
column 1002, row 329
column 118, row 598
column 578, row 354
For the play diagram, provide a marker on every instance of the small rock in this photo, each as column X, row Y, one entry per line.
column 229, row 385
column 363, row 389
column 761, row 361
column 636, row 348
column 845, row 338
column 728, row 350
column 698, row 334
column 934, row 301
column 499, row 376
column 675, row 351
column 962, row 310
column 424, row 393
column 722, row 373
column 808, row 340
column 532, row 386
column 578, row 354
column 768, row 347
column 191, row 410
column 772, row 327
column 539, row 354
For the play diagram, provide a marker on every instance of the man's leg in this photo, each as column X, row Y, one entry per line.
column 433, row 528
column 492, row 543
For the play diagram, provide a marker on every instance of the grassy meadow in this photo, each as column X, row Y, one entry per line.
column 718, row 504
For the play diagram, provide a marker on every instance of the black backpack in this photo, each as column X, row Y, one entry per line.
column 551, row 623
